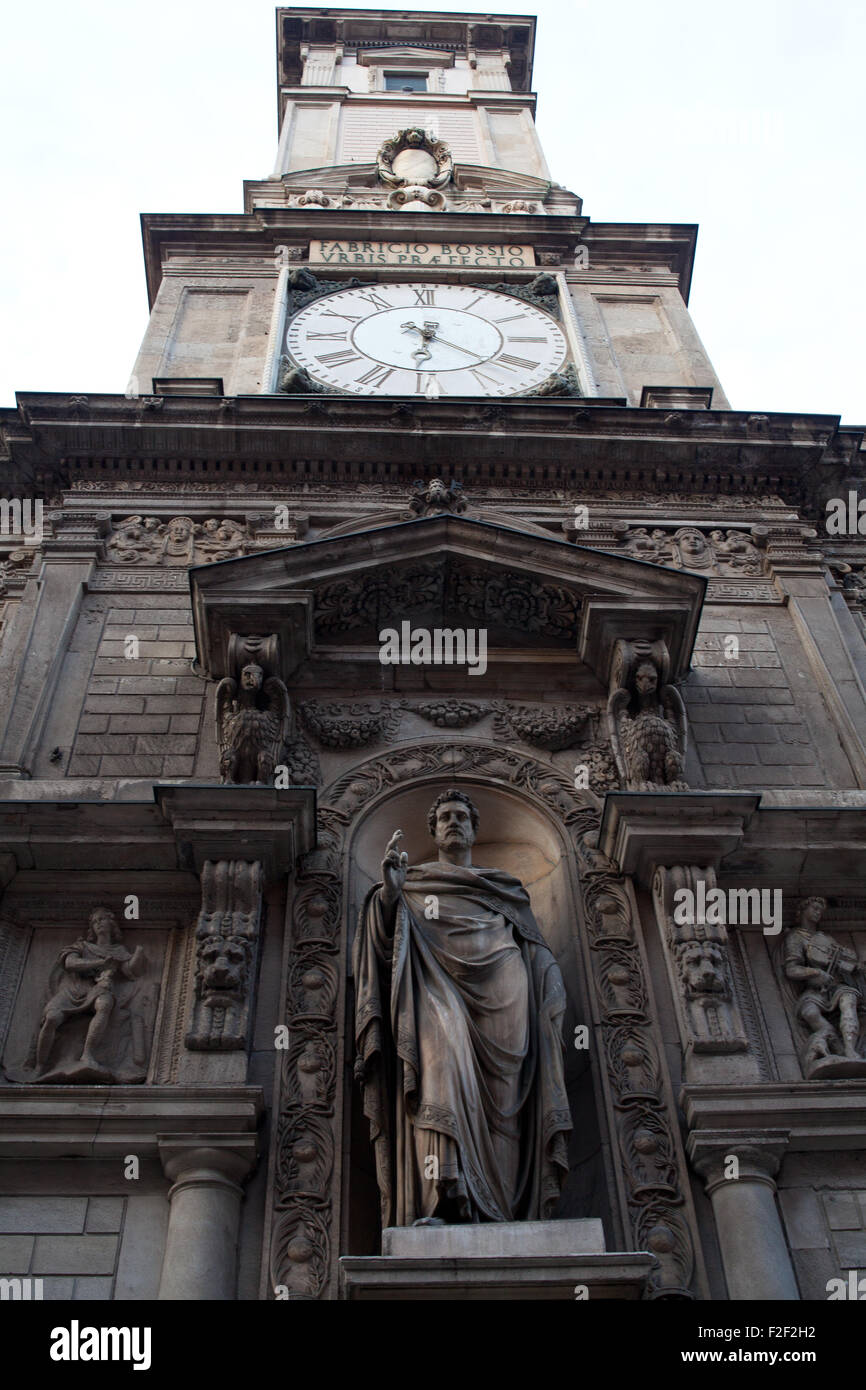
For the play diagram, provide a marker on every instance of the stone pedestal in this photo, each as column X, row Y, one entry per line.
column 200, row 1259
column 499, row 1260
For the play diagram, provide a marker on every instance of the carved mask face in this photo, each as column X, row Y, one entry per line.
column 702, row 966
column 251, row 677
column 646, row 679
column 223, row 964
column 454, row 826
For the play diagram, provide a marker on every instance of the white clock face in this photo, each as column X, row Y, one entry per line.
column 426, row 340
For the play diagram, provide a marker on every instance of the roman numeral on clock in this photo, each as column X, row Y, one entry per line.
column 427, row 295
column 333, row 314
column 482, row 379
column 526, row 340
column 510, row 363
column 376, row 300
column 334, row 337
column 377, row 376
column 510, row 318
column 338, row 359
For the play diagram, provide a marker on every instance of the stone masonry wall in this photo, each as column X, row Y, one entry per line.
column 750, row 725
column 141, row 718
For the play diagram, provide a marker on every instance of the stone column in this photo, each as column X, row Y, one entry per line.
column 201, row 1246
column 739, row 1171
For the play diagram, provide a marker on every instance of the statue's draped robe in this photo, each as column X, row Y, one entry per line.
column 458, row 1027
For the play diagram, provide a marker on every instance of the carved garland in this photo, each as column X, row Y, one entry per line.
column 300, row 1258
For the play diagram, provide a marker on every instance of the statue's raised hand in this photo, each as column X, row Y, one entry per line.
column 395, row 866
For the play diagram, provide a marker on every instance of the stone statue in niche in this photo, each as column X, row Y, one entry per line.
column 99, row 980
column 253, row 717
column 647, row 723
column 829, row 980
column 459, row 1006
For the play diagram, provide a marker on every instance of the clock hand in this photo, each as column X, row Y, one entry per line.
column 429, row 335
column 456, row 346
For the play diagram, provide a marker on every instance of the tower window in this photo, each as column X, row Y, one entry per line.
column 405, row 81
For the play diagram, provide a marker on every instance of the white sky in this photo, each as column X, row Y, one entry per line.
column 743, row 117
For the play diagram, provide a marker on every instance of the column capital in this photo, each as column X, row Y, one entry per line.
column 758, row 1153
column 213, row 1158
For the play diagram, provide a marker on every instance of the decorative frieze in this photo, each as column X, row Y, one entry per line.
column 181, row 541
column 482, row 599
column 338, row 725
column 729, row 551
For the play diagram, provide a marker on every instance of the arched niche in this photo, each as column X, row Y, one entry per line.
column 520, row 835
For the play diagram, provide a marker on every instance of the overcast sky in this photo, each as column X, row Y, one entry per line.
column 745, row 118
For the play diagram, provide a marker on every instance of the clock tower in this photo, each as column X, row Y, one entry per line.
column 424, row 493
column 410, row 205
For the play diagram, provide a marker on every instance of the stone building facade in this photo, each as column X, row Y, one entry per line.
column 204, row 751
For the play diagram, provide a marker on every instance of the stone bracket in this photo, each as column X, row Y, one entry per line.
column 227, row 948
column 696, row 953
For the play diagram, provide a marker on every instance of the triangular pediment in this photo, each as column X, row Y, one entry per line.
column 529, row 591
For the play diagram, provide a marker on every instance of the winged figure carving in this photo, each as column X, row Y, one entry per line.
column 648, row 731
column 253, row 718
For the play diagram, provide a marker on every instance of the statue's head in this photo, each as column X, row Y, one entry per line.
column 103, row 927
column 453, row 820
column 252, row 676
column 693, row 543
column 810, row 912
column 179, row 528
column 646, row 679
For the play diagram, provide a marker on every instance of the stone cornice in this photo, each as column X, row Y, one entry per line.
column 815, row 1114
column 168, row 826
column 568, row 443
column 109, row 1122
column 641, row 831
column 799, row 844
column 252, row 236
